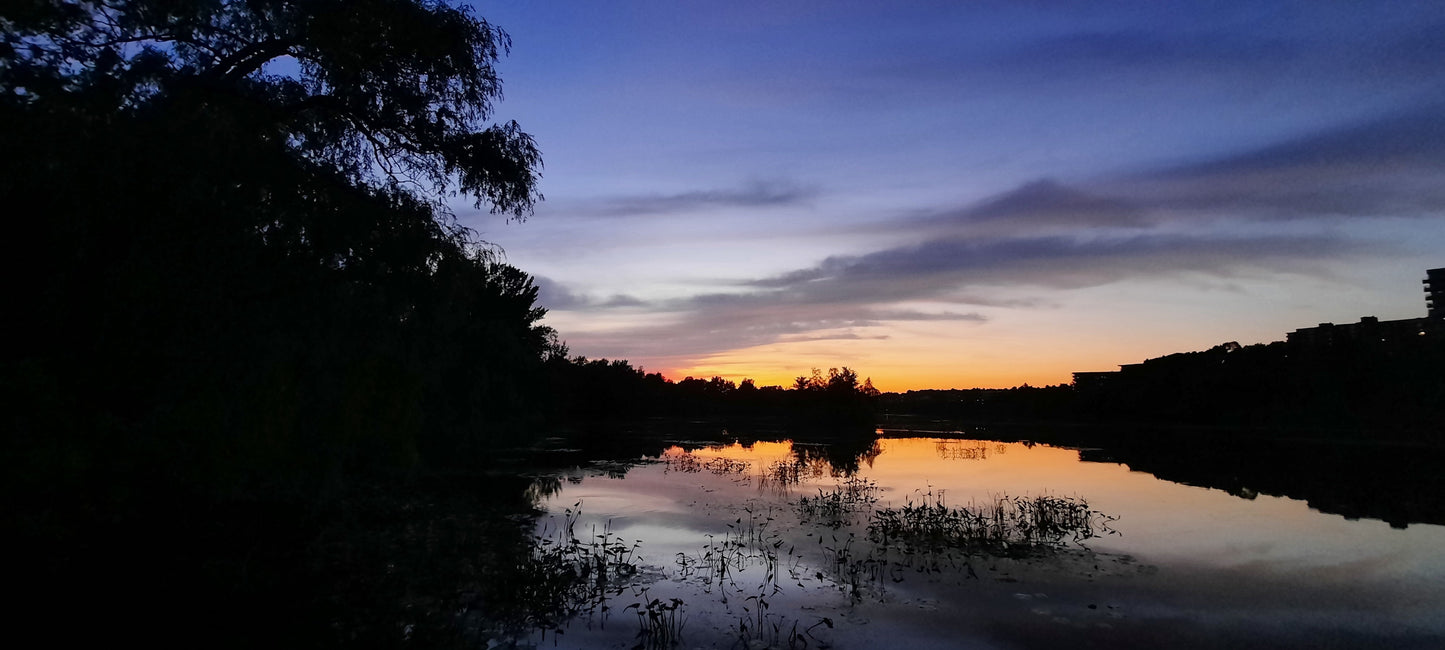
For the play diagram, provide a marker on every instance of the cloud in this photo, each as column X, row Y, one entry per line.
column 1393, row 166
column 912, row 315
column 843, row 294
column 1412, row 137
column 621, row 300
column 840, row 336
column 554, row 295
column 712, row 326
column 1041, row 203
column 1387, row 167
column 760, row 194
column 1261, row 208
column 940, row 268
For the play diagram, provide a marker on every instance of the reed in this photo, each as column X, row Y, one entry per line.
column 727, row 466
column 566, row 577
column 688, row 463
column 966, row 449
column 787, row 473
column 1004, row 526
column 837, row 507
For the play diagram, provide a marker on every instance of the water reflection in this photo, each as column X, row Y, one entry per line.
column 1397, row 484
column 843, row 457
column 783, row 474
column 542, row 488
column 748, row 566
column 1401, row 486
column 678, row 459
column 775, row 528
column 784, row 545
column 963, row 449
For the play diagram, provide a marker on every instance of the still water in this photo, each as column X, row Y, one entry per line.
column 779, row 545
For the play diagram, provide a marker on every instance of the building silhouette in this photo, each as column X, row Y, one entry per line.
column 1435, row 293
column 1375, row 332
column 1370, row 333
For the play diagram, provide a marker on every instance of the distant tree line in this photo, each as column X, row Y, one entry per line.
column 601, row 393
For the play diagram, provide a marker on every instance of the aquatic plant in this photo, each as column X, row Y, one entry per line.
column 836, row 508
column 857, row 568
column 965, row 449
column 684, row 462
column 566, row 577
column 659, row 623
column 748, row 542
column 761, row 629
column 749, row 562
column 786, row 472
column 688, row 463
column 726, row 466
column 1006, row 525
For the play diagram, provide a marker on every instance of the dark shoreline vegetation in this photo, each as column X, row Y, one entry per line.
column 266, row 391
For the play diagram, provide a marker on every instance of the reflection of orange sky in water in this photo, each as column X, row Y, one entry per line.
column 754, row 453
column 1158, row 518
column 902, row 459
column 1214, row 555
column 966, row 470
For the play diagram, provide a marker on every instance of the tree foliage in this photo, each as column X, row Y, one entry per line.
column 388, row 92
column 238, row 299
column 231, row 246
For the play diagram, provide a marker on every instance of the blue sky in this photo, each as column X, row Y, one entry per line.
column 970, row 194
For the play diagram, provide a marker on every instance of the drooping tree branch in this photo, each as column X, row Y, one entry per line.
column 251, row 58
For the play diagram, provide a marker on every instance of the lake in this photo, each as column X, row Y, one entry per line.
column 941, row 542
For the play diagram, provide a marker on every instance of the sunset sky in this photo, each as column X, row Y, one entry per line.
column 961, row 194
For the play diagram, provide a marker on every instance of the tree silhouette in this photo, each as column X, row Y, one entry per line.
column 239, row 303
column 236, row 259
column 390, row 92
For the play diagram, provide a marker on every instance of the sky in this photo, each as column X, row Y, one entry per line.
column 969, row 194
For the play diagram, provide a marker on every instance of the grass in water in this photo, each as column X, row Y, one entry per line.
column 837, row 507
column 567, row 577
column 688, row 463
column 1004, row 526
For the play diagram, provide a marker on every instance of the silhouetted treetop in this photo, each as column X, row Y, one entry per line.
column 842, row 381
column 398, row 92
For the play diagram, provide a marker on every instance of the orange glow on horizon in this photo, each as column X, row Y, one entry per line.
column 888, row 380
column 1082, row 332
column 985, row 358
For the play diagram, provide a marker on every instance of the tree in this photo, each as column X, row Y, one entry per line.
column 844, row 381
column 395, row 93
column 242, row 252
column 237, row 293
